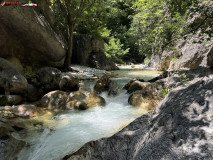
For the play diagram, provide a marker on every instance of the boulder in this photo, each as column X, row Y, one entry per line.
column 193, row 56
column 164, row 74
column 12, row 81
column 180, row 128
column 69, row 83
column 28, row 111
column 83, row 100
column 137, row 85
column 165, row 60
column 10, row 100
column 31, row 34
column 54, row 100
column 49, row 78
column 88, row 51
column 100, row 61
column 103, row 84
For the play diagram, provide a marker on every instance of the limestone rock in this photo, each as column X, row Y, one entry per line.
column 28, row 111
column 165, row 60
column 137, row 85
column 54, row 100
column 103, row 84
column 83, row 100
column 192, row 56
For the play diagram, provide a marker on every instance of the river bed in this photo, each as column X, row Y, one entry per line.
column 75, row 128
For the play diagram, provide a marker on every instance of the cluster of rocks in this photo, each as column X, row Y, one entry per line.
column 48, row 88
column 24, row 96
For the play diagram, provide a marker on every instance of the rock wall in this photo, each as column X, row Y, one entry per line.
column 187, row 54
column 88, row 51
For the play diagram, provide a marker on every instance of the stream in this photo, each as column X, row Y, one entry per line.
column 75, row 128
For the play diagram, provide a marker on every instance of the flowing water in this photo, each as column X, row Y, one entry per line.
column 75, row 128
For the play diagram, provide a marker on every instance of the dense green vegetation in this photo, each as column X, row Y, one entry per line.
column 134, row 29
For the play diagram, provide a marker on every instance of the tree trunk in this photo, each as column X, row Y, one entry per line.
column 68, row 57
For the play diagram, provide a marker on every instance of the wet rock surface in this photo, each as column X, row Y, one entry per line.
column 137, row 85
column 103, row 84
column 28, row 111
column 83, row 100
column 54, row 100
column 60, row 100
column 180, row 128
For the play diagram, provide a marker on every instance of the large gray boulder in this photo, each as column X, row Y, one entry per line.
column 193, row 55
column 29, row 34
column 180, row 128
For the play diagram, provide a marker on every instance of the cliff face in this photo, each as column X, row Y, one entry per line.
column 188, row 54
column 88, row 51
column 194, row 49
column 179, row 128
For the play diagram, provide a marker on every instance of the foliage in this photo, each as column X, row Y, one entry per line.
column 165, row 91
column 114, row 50
column 158, row 23
column 147, row 60
column 137, row 28
column 185, row 79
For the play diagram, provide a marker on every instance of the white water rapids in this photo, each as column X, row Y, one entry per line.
column 75, row 128
column 81, row 127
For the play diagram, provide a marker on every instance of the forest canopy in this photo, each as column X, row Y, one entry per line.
column 134, row 29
